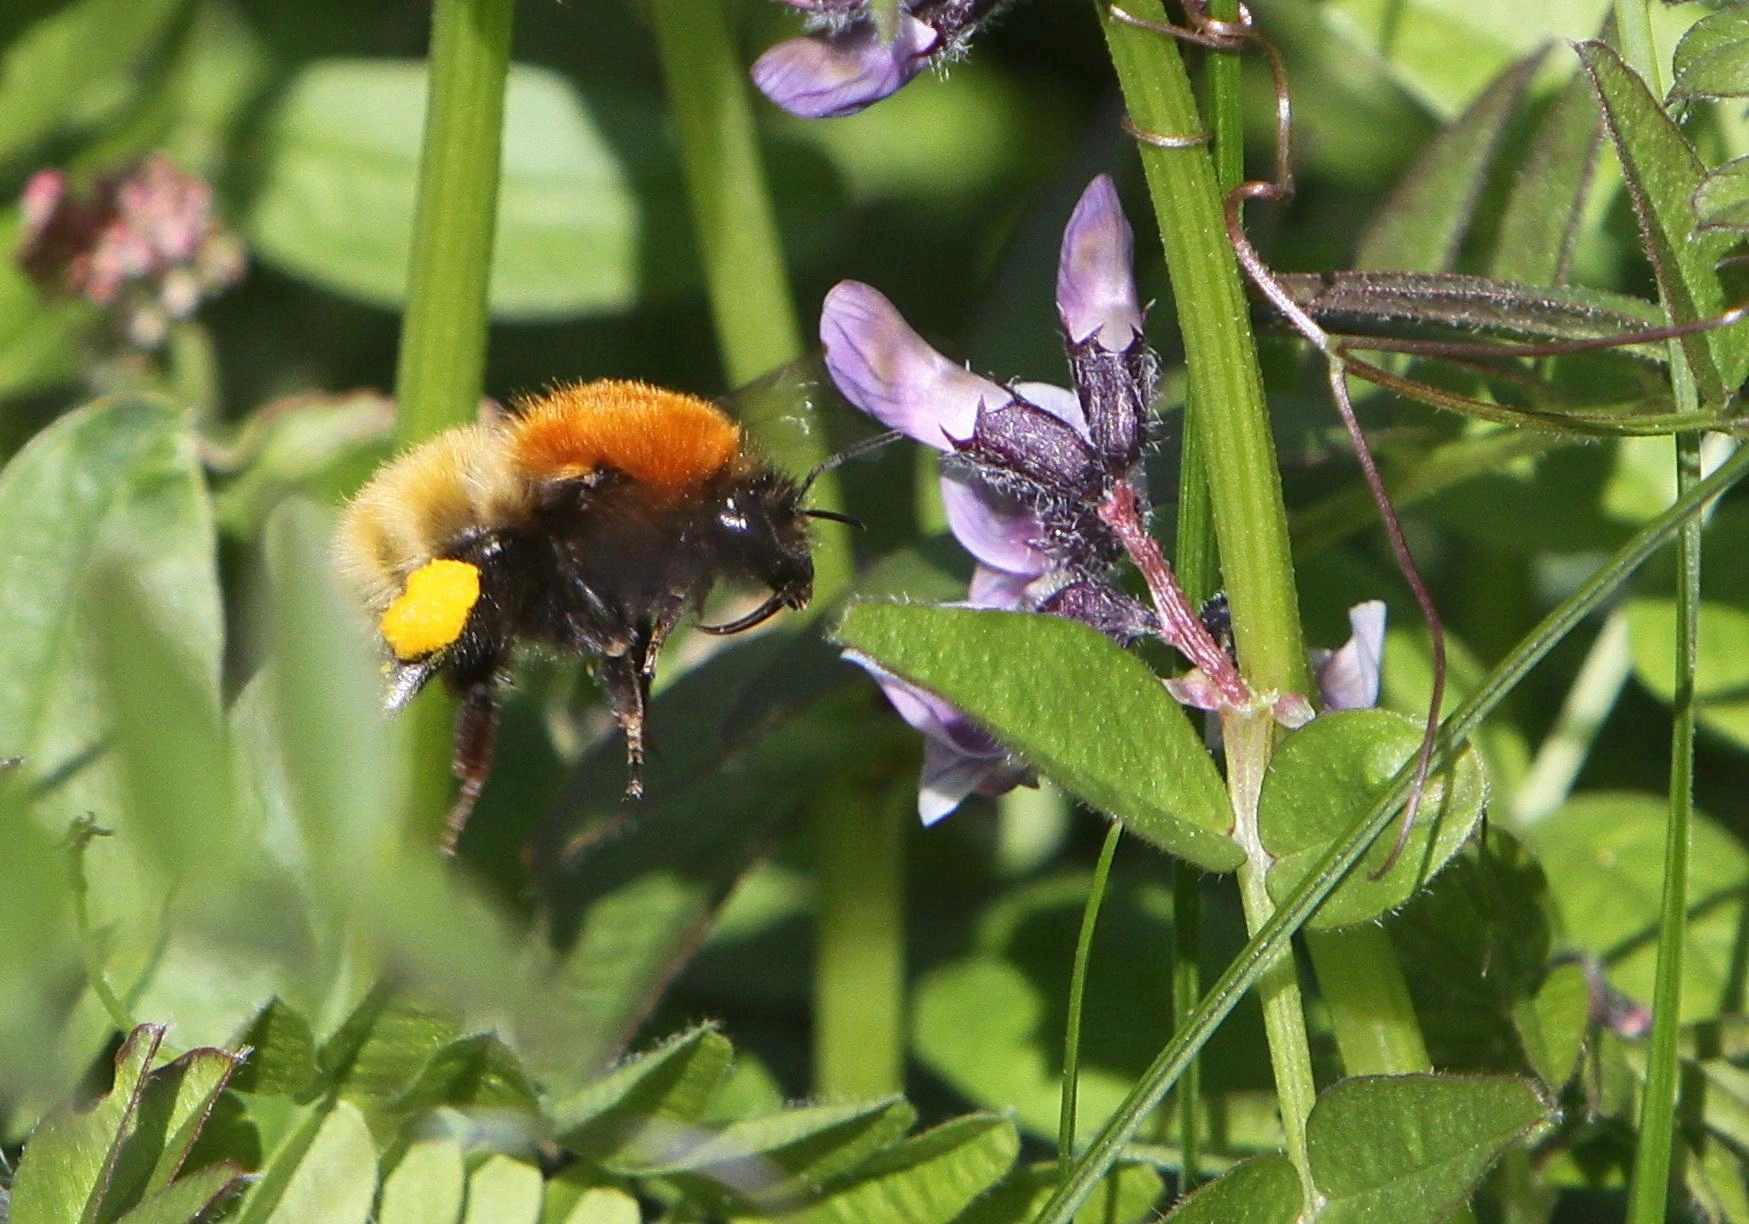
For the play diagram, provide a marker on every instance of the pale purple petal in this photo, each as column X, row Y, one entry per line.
column 828, row 75
column 937, row 719
column 949, row 776
column 996, row 530
column 1060, row 402
column 1348, row 679
column 890, row 372
column 1096, row 284
column 994, row 588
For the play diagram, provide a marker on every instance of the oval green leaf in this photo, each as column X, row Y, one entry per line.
column 1264, row 1190
column 1091, row 717
column 1410, row 1148
column 1327, row 775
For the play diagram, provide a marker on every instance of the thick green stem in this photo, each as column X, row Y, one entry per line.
column 735, row 224
column 733, row 219
column 859, row 978
column 1249, row 740
column 440, row 373
column 1375, row 1025
column 1232, row 418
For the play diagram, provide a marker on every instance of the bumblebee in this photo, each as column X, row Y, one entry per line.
column 586, row 522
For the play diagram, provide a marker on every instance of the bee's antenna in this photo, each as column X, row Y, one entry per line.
column 848, row 519
column 854, row 451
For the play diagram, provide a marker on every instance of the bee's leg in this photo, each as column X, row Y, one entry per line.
column 628, row 692
column 476, row 730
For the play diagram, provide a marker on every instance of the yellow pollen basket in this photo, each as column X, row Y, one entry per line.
column 432, row 611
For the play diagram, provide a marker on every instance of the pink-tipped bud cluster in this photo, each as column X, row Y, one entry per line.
column 143, row 243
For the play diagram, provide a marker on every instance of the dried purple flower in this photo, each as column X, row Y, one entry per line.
column 143, row 243
column 848, row 62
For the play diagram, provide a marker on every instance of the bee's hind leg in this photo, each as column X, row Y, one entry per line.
column 476, row 732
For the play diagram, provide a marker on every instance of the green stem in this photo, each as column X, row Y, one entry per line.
column 1375, row 1025
column 1563, row 751
column 1272, row 940
column 1232, row 421
column 1649, row 1189
column 859, row 997
column 440, row 374
column 78, row 841
column 1186, row 989
column 735, row 224
column 1077, row 992
column 1249, row 739
column 1633, row 27
column 733, row 219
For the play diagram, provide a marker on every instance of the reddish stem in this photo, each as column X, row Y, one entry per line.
column 1180, row 626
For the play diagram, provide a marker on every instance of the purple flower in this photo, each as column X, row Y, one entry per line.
column 848, row 62
column 1025, row 469
column 831, row 74
column 143, row 243
column 960, row 758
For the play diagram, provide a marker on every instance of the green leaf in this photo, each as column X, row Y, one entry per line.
column 584, row 184
column 780, row 1160
column 70, row 1158
column 53, row 67
column 1474, row 946
column 116, row 480
column 596, row 1205
column 38, row 335
column 1092, row 717
column 282, row 1061
column 1126, row 1196
column 928, row 1179
column 634, row 1113
column 1604, row 854
column 1263, row 1190
column 174, row 1107
column 1721, row 202
column 1421, row 223
column 324, row 1170
column 1663, row 173
column 1553, row 1024
column 503, row 1190
column 478, row 1072
column 188, row 1198
column 1712, row 60
column 426, row 1186
column 1540, row 222
column 381, row 1049
column 1410, row 1148
column 1324, row 778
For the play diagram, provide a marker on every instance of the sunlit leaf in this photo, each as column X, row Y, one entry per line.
column 1090, row 716
column 503, row 1190
column 1264, row 1190
column 1604, row 854
column 1553, row 1024
column 283, row 1051
column 645, row 1108
column 1126, row 1196
column 928, row 1179
column 427, row 1185
column 325, row 1170
column 1663, row 173
column 1410, row 1148
column 583, row 185
column 1712, row 60
column 1326, row 775
column 1721, row 202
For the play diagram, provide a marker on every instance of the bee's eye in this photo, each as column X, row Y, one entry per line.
column 732, row 519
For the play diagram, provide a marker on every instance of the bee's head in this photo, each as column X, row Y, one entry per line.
column 760, row 533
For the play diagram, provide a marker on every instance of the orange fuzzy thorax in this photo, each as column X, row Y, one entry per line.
column 667, row 442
